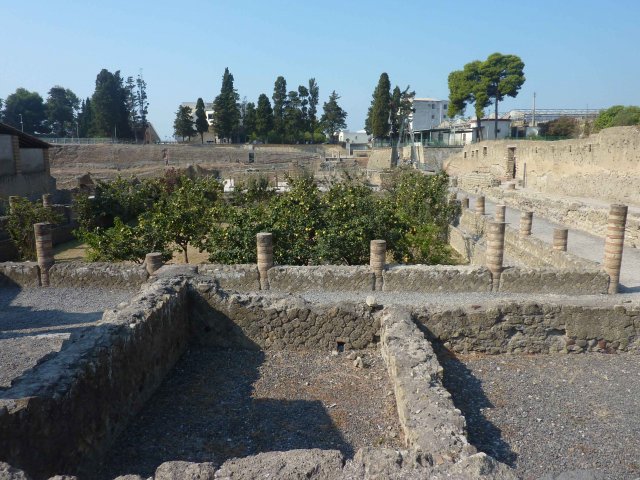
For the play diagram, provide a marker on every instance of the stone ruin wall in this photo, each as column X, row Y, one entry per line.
column 603, row 166
column 87, row 392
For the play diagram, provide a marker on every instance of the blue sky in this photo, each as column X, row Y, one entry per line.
column 576, row 53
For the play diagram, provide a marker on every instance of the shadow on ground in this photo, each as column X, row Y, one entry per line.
column 468, row 396
column 204, row 412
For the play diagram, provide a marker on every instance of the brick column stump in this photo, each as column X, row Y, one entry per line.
column 614, row 244
column 377, row 257
column 44, row 250
column 264, row 243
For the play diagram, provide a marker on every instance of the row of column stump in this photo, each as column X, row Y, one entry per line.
column 614, row 241
column 614, row 244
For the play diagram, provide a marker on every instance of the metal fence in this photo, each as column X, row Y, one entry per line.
column 92, row 141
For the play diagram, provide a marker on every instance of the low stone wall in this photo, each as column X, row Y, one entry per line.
column 429, row 420
column 277, row 321
column 526, row 327
column 330, row 278
column 548, row 280
column 436, row 278
column 241, row 278
column 98, row 274
column 64, row 413
column 19, row 274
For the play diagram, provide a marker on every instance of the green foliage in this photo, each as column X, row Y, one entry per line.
column 334, row 117
column 27, row 104
column 226, row 112
column 61, row 107
column 561, row 127
column 124, row 242
column 309, row 226
column 377, row 122
column 84, row 118
column 20, row 225
column 314, row 98
column 617, row 116
column 249, row 119
column 184, row 216
column 279, row 98
column 264, row 117
column 183, row 124
column 202, row 125
column 110, row 112
column 483, row 83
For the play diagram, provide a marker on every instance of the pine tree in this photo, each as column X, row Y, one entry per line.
column 377, row 122
column 183, row 124
column 61, row 108
column 202, row 125
column 264, row 118
column 226, row 112
column 334, row 117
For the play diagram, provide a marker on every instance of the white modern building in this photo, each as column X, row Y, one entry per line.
column 208, row 109
column 428, row 113
column 355, row 138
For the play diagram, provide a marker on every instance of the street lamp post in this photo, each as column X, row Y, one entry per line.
column 21, row 123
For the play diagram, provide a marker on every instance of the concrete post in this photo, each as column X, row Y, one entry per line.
column 495, row 251
column 377, row 257
column 47, row 201
column 480, row 205
column 613, row 245
column 560, row 236
column 526, row 219
column 44, row 250
column 13, row 200
column 152, row 262
column 465, row 202
column 500, row 212
column 264, row 243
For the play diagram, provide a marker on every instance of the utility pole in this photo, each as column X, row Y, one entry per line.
column 533, row 119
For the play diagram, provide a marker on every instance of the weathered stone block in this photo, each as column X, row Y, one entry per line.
column 329, row 278
column 436, row 278
column 241, row 278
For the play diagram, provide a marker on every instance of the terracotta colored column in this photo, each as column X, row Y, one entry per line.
column 152, row 262
column 613, row 245
column 44, row 250
column 264, row 243
column 500, row 212
column 480, row 205
column 560, row 236
column 495, row 251
column 526, row 219
column 377, row 257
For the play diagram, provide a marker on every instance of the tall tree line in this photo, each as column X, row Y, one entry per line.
column 117, row 108
column 289, row 116
column 389, row 110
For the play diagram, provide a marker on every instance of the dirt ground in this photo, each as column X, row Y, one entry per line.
column 219, row 404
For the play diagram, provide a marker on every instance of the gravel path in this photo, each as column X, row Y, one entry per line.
column 219, row 404
column 548, row 414
column 35, row 322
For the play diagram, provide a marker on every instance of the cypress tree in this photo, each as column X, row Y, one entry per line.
column 377, row 122
column 202, row 125
column 226, row 112
column 264, row 117
column 279, row 104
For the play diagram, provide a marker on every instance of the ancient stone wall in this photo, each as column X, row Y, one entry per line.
column 277, row 321
column 604, row 166
column 526, row 327
column 75, row 402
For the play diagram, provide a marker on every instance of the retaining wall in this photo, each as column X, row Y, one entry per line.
column 75, row 402
column 548, row 271
column 278, row 321
column 528, row 327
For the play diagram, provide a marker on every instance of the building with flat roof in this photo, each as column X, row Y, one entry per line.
column 427, row 113
column 208, row 110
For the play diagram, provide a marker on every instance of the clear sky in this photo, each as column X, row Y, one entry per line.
column 577, row 53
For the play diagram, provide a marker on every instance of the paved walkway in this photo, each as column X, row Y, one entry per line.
column 580, row 243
